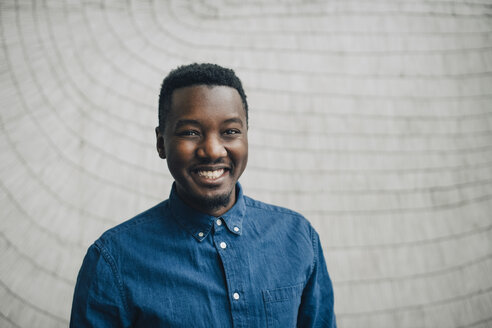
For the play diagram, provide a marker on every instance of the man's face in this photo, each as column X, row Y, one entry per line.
column 205, row 143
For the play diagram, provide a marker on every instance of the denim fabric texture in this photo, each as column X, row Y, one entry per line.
column 258, row 265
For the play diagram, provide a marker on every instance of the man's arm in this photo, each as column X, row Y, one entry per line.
column 98, row 298
column 317, row 303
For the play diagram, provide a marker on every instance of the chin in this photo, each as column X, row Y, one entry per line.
column 214, row 201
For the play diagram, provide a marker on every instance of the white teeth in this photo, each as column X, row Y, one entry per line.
column 211, row 174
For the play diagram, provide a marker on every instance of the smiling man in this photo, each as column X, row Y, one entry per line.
column 204, row 139
column 208, row 256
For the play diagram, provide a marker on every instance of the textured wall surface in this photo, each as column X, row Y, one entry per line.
column 372, row 118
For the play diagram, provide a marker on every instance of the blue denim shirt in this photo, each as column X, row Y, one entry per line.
column 258, row 265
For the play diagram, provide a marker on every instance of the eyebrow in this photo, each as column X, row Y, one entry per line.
column 234, row 120
column 181, row 123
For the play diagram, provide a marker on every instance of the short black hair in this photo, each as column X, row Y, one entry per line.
column 197, row 74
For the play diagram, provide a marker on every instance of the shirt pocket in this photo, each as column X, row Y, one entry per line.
column 282, row 305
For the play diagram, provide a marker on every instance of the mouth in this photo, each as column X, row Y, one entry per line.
column 210, row 174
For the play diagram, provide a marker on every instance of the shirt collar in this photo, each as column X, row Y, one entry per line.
column 199, row 224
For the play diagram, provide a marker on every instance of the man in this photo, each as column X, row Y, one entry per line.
column 208, row 256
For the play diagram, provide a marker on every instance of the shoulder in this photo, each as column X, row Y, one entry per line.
column 278, row 215
column 257, row 205
column 253, row 203
column 143, row 221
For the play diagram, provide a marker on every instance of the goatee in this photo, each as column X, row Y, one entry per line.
column 213, row 203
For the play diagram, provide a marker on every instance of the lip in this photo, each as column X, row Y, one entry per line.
column 205, row 181
column 209, row 167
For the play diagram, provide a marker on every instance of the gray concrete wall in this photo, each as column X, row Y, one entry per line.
column 372, row 118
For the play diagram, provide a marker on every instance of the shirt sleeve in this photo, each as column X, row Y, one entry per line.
column 317, row 302
column 98, row 299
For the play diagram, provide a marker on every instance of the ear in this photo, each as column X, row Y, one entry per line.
column 160, row 143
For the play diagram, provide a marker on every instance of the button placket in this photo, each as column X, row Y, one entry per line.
column 224, row 240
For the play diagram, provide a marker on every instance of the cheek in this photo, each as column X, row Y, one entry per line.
column 240, row 153
column 179, row 157
column 182, row 151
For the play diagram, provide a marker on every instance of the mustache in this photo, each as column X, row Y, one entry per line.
column 206, row 161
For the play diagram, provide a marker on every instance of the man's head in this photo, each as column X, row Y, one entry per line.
column 197, row 74
column 202, row 134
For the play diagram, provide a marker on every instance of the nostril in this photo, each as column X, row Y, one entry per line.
column 212, row 148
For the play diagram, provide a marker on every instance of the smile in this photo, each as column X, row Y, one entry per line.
column 212, row 174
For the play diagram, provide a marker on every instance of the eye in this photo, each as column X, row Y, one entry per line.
column 232, row 131
column 188, row 133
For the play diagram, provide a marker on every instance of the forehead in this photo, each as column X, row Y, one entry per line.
column 206, row 100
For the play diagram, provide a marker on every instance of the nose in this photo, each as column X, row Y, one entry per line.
column 211, row 148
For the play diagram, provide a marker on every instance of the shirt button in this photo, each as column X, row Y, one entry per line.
column 200, row 234
column 236, row 229
column 235, row 296
column 223, row 245
column 219, row 222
